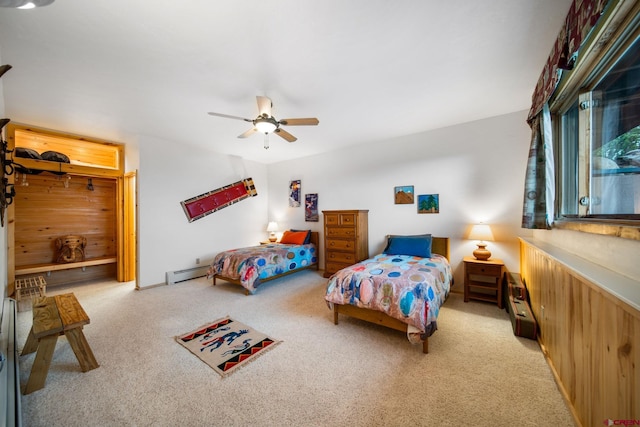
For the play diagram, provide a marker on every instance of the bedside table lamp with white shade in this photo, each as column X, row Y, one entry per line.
column 272, row 228
column 481, row 232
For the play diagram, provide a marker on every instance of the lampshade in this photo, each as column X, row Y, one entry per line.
column 25, row 4
column 265, row 125
column 272, row 227
column 481, row 232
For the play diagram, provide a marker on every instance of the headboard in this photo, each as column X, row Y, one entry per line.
column 440, row 245
column 315, row 239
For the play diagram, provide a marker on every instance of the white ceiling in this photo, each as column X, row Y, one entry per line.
column 369, row 70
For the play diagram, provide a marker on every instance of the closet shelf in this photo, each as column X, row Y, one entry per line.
column 42, row 268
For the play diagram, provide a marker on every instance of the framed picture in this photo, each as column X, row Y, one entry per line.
column 403, row 195
column 428, row 203
column 311, row 207
column 294, row 193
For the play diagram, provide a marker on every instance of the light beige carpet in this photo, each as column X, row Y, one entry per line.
column 353, row 374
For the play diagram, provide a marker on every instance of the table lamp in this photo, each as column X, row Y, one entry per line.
column 272, row 228
column 481, row 232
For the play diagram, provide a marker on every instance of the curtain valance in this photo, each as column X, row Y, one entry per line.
column 582, row 17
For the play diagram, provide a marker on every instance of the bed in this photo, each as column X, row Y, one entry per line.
column 252, row 266
column 400, row 288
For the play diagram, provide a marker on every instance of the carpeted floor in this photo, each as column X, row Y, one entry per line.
column 357, row 374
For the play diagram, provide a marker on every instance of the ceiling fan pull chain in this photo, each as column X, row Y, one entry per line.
column 266, row 141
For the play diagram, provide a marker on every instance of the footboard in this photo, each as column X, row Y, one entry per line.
column 376, row 317
column 238, row 282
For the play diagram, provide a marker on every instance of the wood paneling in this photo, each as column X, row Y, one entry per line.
column 46, row 210
column 79, row 150
column 589, row 336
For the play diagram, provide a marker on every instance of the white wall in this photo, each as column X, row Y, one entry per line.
column 170, row 173
column 477, row 169
column 614, row 253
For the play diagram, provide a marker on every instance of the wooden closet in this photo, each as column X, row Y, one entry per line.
column 57, row 199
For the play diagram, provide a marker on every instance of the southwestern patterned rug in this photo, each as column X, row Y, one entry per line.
column 226, row 344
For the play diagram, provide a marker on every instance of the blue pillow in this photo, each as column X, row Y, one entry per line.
column 307, row 239
column 416, row 245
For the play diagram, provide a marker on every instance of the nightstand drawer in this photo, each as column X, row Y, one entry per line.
column 486, row 270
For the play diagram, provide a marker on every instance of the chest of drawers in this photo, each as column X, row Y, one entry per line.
column 346, row 239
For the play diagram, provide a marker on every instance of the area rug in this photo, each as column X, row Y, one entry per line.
column 226, row 344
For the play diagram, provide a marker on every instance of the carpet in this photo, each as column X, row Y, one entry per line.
column 226, row 344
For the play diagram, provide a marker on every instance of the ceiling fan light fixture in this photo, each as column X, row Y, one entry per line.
column 265, row 125
column 25, row 4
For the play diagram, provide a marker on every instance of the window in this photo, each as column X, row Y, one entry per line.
column 598, row 137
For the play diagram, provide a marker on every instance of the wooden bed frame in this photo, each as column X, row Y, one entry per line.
column 315, row 239
column 439, row 245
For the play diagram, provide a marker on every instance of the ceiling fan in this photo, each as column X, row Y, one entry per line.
column 266, row 123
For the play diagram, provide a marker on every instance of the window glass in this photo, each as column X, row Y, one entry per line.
column 568, row 191
column 615, row 143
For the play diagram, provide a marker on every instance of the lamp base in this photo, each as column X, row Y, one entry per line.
column 482, row 253
column 273, row 237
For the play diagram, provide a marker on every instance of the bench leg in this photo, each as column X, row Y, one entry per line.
column 31, row 345
column 81, row 348
column 41, row 364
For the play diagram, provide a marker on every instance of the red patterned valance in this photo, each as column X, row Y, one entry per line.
column 582, row 17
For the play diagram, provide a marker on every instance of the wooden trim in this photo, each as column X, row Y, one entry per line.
column 625, row 231
column 129, row 227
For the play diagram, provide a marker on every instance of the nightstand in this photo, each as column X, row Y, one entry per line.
column 483, row 280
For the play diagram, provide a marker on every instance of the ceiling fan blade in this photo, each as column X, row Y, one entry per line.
column 4, row 69
column 248, row 133
column 264, row 106
column 311, row 121
column 227, row 116
column 284, row 134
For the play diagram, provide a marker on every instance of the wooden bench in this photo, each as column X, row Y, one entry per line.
column 54, row 316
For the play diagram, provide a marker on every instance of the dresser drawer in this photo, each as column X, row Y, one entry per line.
column 340, row 232
column 341, row 245
column 332, row 267
column 487, row 270
column 340, row 219
column 348, row 257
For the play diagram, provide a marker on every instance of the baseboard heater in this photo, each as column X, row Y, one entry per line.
column 10, row 396
column 178, row 276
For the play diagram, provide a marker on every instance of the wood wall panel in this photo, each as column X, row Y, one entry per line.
column 77, row 275
column 590, row 337
column 46, row 210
